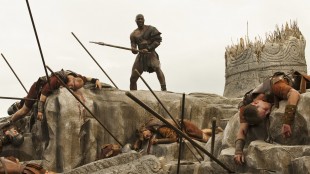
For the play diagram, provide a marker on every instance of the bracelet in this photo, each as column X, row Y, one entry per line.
column 40, row 106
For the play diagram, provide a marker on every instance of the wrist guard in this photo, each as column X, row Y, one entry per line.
column 289, row 114
column 40, row 106
column 239, row 146
column 93, row 80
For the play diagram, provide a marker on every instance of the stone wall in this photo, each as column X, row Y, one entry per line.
column 71, row 137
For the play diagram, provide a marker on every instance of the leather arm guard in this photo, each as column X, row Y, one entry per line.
column 289, row 114
column 41, row 106
column 239, row 143
column 153, row 45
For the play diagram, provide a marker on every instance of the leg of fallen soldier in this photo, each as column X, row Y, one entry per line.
column 33, row 93
column 20, row 113
column 192, row 130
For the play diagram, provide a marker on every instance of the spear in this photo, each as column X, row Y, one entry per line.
column 180, row 138
column 178, row 131
column 94, row 59
column 16, row 98
column 38, row 42
column 178, row 125
column 120, row 47
column 213, row 135
column 14, row 73
column 74, row 95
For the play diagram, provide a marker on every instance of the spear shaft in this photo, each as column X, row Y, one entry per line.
column 178, row 125
column 74, row 95
column 14, row 73
column 16, row 98
column 178, row 131
column 38, row 42
column 180, row 138
column 115, row 46
column 213, row 135
column 94, row 59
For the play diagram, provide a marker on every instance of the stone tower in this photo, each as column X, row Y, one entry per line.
column 249, row 63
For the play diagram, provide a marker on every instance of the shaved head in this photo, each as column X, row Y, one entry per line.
column 140, row 20
column 139, row 16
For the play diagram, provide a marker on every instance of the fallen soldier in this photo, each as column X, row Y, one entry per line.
column 12, row 165
column 11, row 135
column 159, row 133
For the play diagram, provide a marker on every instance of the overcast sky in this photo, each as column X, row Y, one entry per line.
column 195, row 34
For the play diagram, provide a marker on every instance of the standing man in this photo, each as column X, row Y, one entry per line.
column 147, row 38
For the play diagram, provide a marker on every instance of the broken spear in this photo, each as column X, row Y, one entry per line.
column 14, row 73
column 38, row 42
column 94, row 59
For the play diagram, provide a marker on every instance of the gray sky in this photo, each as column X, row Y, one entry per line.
column 195, row 34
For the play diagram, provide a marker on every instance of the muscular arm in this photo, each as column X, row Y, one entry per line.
column 133, row 44
column 45, row 92
column 240, row 141
column 155, row 39
column 41, row 104
column 293, row 97
column 243, row 129
column 290, row 109
column 153, row 45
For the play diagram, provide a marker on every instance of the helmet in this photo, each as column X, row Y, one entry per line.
column 17, row 140
column 13, row 108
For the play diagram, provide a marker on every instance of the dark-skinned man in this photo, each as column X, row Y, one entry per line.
column 147, row 38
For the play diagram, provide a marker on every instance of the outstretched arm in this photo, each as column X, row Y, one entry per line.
column 290, row 109
column 41, row 103
column 240, row 142
column 45, row 92
column 133, row 44
column 94, row 81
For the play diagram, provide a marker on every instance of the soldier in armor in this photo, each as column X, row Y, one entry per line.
column 41, row 89
column 159, row 133
column 11, row 165
column 256, row 107
column 12, row 136
column 147, row 38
